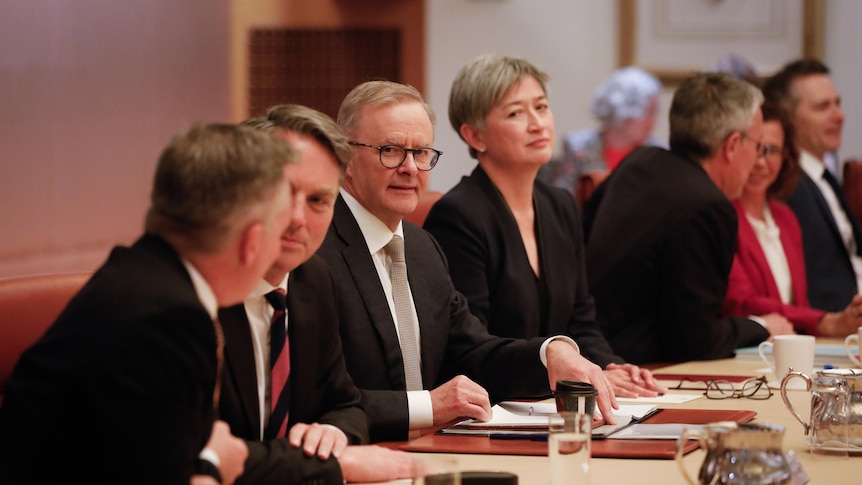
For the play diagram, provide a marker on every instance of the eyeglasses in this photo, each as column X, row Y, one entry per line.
column 759, row 147
column 754, row 388
column 769, row 149
column 392, row 156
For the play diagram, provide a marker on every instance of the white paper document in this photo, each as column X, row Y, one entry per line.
column 641, row 431
column 666, row 399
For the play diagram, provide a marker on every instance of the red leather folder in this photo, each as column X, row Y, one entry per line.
column 606, row 448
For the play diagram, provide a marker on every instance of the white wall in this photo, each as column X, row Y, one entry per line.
column 575, row 41
column 842, row 42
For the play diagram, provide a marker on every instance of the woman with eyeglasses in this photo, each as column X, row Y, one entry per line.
column 513, row 243
column 768, row 273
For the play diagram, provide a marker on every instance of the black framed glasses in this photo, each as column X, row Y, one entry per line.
column 392, row 156
column 754, row 388
column 769, row 149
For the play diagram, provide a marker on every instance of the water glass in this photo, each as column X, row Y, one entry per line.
column 569, row 448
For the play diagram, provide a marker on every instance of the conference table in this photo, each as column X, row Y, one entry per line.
column 821, row 467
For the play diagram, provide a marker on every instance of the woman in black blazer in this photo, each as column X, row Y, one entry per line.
column 514, row 244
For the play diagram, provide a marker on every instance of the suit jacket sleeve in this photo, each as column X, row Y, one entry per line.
column 694, row 283
column 292, row 466
column 752, row 290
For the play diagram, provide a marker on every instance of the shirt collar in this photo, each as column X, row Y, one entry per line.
column 202, row 289
column 263, row 287
column 811, row 165
column 376, row 233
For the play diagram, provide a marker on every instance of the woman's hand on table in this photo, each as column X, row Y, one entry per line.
column 629, row 380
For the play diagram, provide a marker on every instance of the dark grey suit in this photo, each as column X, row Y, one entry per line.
column 831, row 278
column 320, row 388
column 453, row 341
column 658, row 262
column 120, row 388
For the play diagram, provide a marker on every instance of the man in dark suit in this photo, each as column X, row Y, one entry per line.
column 664, row 233
column 831, row 236
column 406, row 333
column 324, row 417
column 123, row 386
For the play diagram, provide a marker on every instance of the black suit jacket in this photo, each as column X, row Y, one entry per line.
column 120, row 388
column 452, row 340
column 658, row 260
column 320, row 388
column 831, row 278
column 489, row 265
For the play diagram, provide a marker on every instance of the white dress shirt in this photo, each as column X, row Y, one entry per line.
column 769, row 236
column 377, row 235
column 259, row 313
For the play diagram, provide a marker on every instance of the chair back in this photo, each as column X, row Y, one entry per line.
column 28, row 306
column 429, row 197
column 852, row 177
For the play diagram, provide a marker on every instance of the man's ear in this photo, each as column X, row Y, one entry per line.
column 251, row 242
column 473, row 137
column 731, row 146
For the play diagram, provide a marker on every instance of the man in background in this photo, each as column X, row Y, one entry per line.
column 664, row 232
column 830, row 233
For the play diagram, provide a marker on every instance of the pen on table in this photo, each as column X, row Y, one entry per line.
column 519, row 436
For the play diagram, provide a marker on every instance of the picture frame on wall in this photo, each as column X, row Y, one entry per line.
column 674, row 38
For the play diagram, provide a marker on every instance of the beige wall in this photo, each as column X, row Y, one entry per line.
column 90, row 91
column 249, row 14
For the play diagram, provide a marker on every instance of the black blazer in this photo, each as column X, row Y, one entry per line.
column 831, row 277
column 658, row 261
column 489, row 265
column 452, row 340
column 121, row 386
column 320, row 388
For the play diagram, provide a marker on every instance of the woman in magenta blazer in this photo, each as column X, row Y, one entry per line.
column 768, row 273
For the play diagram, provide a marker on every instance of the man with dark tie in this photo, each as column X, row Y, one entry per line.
column 831, row 237
column 286, row 390
column 412, row 347
column 124, row 385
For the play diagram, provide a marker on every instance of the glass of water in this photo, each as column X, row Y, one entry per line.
column 569, row 448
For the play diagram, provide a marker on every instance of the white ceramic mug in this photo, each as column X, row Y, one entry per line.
column 849, row 341
column 790, row 351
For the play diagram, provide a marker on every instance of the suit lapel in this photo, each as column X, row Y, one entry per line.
column 362, row 269
column 752, row 245
column 239, row 362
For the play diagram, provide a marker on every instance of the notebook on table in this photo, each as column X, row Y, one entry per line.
column 605, row 448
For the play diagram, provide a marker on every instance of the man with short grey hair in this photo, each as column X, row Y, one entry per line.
column 664, row 232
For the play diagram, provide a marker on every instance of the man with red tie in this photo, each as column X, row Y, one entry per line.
column 286, row 389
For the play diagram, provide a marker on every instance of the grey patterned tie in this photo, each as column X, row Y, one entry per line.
column 406, row 329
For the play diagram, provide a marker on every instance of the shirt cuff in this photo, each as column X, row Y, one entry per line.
column 544, row 349
column 420, row 410
column 755, row 318
column 209, row 454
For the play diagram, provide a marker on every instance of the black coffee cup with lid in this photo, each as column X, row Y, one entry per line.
column 575, row 396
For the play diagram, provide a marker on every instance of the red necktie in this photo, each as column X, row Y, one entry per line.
column 279, row 367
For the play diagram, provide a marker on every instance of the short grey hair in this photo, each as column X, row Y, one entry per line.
column 626, row 94
column 373, row 93
column 210, row 177
column 707, row 108
column 483, row 82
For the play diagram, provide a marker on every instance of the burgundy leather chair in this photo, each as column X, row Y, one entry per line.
column 28, row 306
column 429, row 197
column 852, row 176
